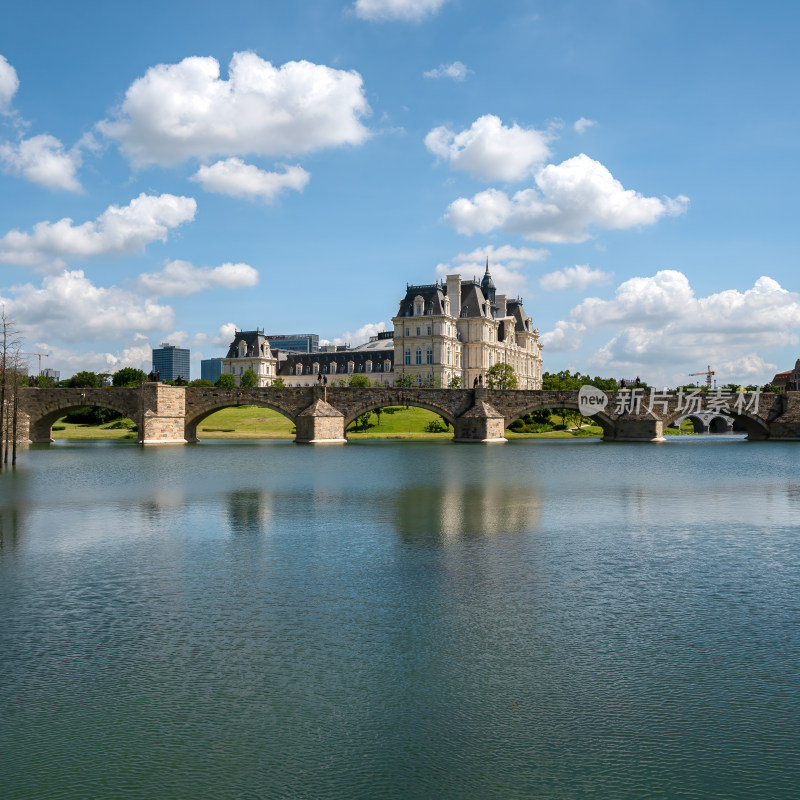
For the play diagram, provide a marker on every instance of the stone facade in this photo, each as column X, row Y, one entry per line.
column 456, row 331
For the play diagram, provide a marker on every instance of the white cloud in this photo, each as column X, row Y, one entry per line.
column 179, row 111
column 43, row 160
column 582, row 125
column 359, row 336
column 125, row 229
column 137, row 353
column 237, row 179
column 457, row 71
column 658, row 324
column 69, row 307
column 181, row 278
column 506, row 265
column 578, row 278
column 403, row 10
column 491, row 150
column 570, row 198
column 9, row 83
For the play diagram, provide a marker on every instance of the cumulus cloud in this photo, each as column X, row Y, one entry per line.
column 578, row 278
column 9, row 83
column 69, row 307
column 506, row 265
column 237, row 179
column 402, row 10
column 491, row 150
column 125, row 229
column 582, row 125
column 359, row 336
column 43, row 160
column 179, row 111
column 569, row 198
column 457, row 71
column 658, row 322
column 181, row 278
column 134, row 352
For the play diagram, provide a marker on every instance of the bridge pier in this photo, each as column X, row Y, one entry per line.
column 320, row 423
column 481, row 423
column 637, row 430
column 162, row 410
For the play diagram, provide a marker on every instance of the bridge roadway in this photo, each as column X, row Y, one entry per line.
column 171, row 414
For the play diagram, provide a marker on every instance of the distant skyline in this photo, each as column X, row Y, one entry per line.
column 171, row 171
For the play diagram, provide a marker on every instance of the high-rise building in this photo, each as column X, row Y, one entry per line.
column 295, row 342
column 171, row 361
column 210, row 369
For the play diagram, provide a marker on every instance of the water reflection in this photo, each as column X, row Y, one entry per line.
column 249, row 511
column 10, row 525
column 465, row 510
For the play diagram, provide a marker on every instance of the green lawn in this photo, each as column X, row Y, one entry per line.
column 252, row 422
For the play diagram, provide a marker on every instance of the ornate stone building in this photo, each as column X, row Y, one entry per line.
column 459, row 329
column 445, row 330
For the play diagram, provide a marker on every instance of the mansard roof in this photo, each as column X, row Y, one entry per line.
column 473, row 300
column 432, row 295
column 514, row 309
column 288, row 365
column 255, row 341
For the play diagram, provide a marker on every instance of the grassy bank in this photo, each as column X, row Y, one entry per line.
column 252, row 422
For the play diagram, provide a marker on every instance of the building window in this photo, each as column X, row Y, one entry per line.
column 407, row 361
column 448, row 356
column 419, row 355
column 418, row 310
column 350, row 366
column 418, row 331
column 333, row 367
column 315, row 368
column 429, row 356
column 408, row 331
column 299, row 369
column 369, row 366
column 430, row 330
column 387, row 365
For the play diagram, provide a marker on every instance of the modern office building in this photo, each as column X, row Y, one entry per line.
column 171, row 361
column 210, row 369
column 51, row 373
column 294, row 342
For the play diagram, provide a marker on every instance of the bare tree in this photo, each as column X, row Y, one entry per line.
column 10, row 358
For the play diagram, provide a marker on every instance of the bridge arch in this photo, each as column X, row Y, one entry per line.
column 41, row 423
column 603, row 420
column 756, row 427
column 411, row 400
column 194, row 418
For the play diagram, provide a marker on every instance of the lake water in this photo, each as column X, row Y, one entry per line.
column 401, row 620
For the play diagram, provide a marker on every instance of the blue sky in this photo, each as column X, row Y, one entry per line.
column 170, row 170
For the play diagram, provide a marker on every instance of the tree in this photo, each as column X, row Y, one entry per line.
column 83, row 380
column 128, row 376
column 249, row 379
column 566, row 381
column 407, row 381
column 45, row 382
column 362, row 421
column 10, row 363
column 279, row 383
column 501, row 376
column 359, row 381
column 455, row 382
column 201, row 382
column 226, row 381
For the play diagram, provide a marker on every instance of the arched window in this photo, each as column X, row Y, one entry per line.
column 448, row 355
column 387, row 366
column 407, row 361
column 369, row 366
column 299, row 369
column 333, row 367
column 419, row 355
column 308, row 369
column 350, row 366
column 429, row 356
column 315, row 368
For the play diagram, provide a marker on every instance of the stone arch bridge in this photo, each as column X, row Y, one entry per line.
column 171, row 414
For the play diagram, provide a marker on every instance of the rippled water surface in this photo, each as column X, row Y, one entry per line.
column 532, row 620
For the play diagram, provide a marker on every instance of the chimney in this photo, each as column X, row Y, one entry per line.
column 502, row 311
column 454, row 294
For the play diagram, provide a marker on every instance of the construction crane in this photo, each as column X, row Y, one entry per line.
column 708, row 373
column 41, row 356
